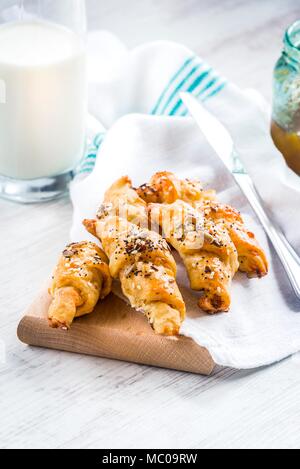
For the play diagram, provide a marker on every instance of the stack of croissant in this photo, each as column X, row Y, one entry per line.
column 138, row 229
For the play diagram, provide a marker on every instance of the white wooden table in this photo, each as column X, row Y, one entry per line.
column 52, row 399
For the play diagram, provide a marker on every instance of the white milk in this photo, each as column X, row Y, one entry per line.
column 43, row 86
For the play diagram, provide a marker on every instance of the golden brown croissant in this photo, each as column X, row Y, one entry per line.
column 143, row 263
column 80, row 279
column 252, row 258
column 125, row 203
column 206, row 249
column 166, row 188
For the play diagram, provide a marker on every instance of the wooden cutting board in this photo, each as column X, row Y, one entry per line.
column 114, row 331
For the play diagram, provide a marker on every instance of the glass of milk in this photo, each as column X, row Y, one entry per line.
column 43, row 96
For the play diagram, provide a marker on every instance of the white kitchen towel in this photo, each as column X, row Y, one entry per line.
column 264, row 323
column 123, row 82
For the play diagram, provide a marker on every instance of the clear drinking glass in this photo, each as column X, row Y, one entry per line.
column 43, row 96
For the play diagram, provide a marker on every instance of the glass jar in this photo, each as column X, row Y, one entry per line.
column 43, row 96
column 286, row 99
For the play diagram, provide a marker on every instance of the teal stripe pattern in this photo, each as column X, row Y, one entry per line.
column 193, row 76
column 180, row 87
column 170, row 84
column 88, row 163
column 215, row 86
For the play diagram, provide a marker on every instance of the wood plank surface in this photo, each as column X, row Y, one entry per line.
column 115, row 331
column 51, row 399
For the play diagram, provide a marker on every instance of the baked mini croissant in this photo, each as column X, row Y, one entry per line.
column 252, row 258
column 143, row 263
column 125, row 203
column 206, row 249
column 166, row 188
column 80, row 279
